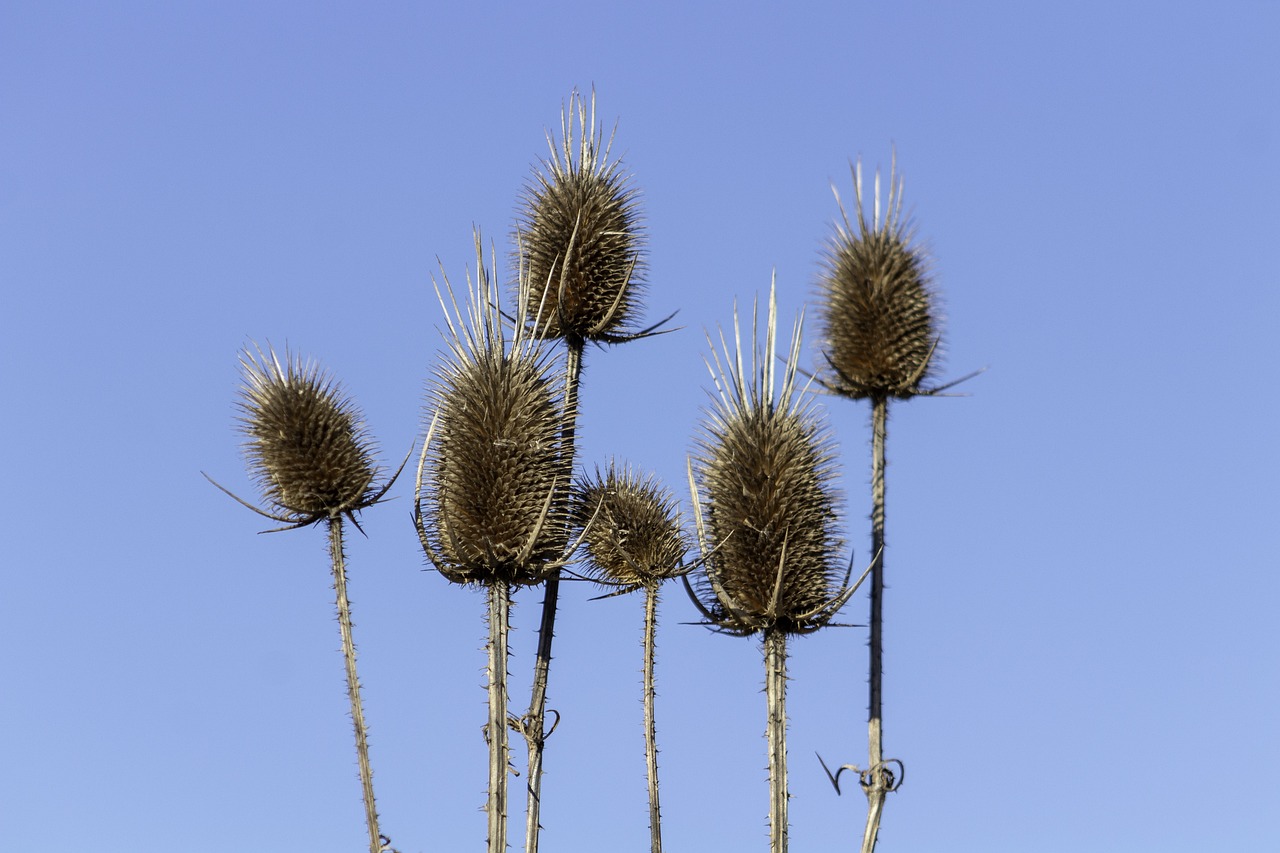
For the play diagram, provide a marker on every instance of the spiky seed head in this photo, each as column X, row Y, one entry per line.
column 579, row 236
column 879, row 321
column 633, row 538
column 765, row 503
column 307, row 444
column 497, row 501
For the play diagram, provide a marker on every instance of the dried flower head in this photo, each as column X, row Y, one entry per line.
column 497, row 501
column 580, row 236
column 879, row 321
column 634, row 538
column 765, row 471
column 308, row 447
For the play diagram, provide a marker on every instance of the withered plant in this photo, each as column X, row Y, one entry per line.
column 763, row 486
column 579, row 241
column 878, row 341
column 492, row 497
column 311, row 454
column 634, row 542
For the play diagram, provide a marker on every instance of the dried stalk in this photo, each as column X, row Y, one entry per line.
column 353, row 681
column 775, row 688
column 877, row 784
column 533, row 726
column 496, row 731
column 650, row 728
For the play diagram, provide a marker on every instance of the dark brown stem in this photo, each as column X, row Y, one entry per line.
column 775, row 689
column 878, row 786
column 650, row 728
column 534, row 721
column 353, row 681
column 496, row 731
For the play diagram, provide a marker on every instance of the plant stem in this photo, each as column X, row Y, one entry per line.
column 878, row 787
column 533, row 724
column 775, row 689
column 650, row 729
column 499, row 751
column 353, row 681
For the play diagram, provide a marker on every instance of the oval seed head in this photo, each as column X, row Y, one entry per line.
column 308, row 447
column 497, row 502
column 879, row 324
column 633, row 534
column 580, row 236
column 764, row 473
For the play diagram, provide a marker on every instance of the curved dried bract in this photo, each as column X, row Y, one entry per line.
column 307, row 446
column 762, row 480
column 635, row 539
column 579, row 236
column 878, row 316
column 496, row 501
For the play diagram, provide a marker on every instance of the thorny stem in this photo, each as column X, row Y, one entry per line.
column 496, row 732
column 353, row 681
column 775, row 688
column 650, row 730
column 878, row 786
column 534, row 721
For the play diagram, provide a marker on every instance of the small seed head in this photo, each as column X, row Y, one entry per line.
column 633, row 529
column 580, row 236
column 879, row 322
column 307, row 445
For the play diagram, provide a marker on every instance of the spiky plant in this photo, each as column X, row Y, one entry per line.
column 634, row 541
column 879, row 340
column 496, row 502
column 765, row 471
column 579, row 249
column 311, row 454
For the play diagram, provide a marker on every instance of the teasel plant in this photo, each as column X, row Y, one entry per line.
column 310, row 452
column 579, row 248
column 762, row 481
column 492, row 499
column 879, row 339
column 636, row 542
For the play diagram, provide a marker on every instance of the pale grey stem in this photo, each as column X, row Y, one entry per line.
column 650, row 729
column 353, row 681
column 496, row 731
column 775, row 689
column 533, row 724
column 878, row 787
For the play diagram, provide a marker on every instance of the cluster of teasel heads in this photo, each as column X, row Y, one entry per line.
column 497, row 505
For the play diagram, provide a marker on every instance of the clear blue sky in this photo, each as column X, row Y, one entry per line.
column 1081, row 640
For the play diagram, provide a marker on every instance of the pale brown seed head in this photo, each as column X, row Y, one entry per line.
column 497, row 503
column 633, row 535
column 580, row 237
column 878, row 315
column 307, row 445
column 764, row 474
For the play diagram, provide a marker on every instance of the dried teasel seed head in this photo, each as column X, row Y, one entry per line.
column 878, row 316
column 579, row 236
column 633, row 538
column 765, row 502
column 497, row 493
column 307, row 445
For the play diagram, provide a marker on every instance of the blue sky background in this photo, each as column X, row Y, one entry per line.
column 1081, row 640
